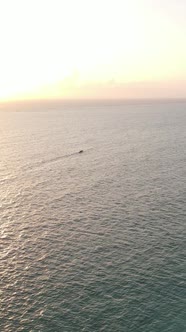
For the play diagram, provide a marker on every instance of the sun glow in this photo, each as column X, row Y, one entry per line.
column 55, row 48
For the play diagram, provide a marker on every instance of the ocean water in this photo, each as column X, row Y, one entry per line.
column 93, row 241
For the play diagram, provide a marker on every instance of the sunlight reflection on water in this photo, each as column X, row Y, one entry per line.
column 93, row 241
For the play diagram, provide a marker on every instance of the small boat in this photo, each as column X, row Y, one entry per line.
column 81, row 151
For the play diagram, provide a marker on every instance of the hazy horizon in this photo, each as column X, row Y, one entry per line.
column 92, row 50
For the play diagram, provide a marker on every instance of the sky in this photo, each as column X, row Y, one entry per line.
column 92, row 49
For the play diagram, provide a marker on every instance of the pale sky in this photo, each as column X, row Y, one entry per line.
column 92, row 49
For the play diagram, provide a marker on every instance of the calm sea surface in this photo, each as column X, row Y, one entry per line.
column 93, row 241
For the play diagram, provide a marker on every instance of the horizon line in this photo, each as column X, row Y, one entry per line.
column 89, row 100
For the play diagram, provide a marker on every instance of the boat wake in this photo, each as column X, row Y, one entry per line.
column 53, row 160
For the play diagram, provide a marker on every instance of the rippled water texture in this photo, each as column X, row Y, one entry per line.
column 93, row 241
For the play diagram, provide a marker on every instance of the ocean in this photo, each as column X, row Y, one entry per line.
column 93, row 241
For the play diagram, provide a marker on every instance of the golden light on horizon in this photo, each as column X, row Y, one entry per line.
column 59, row 48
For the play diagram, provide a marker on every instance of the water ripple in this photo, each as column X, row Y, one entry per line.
column 97, row 242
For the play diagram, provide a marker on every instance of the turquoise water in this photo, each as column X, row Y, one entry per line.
column 93, row 241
